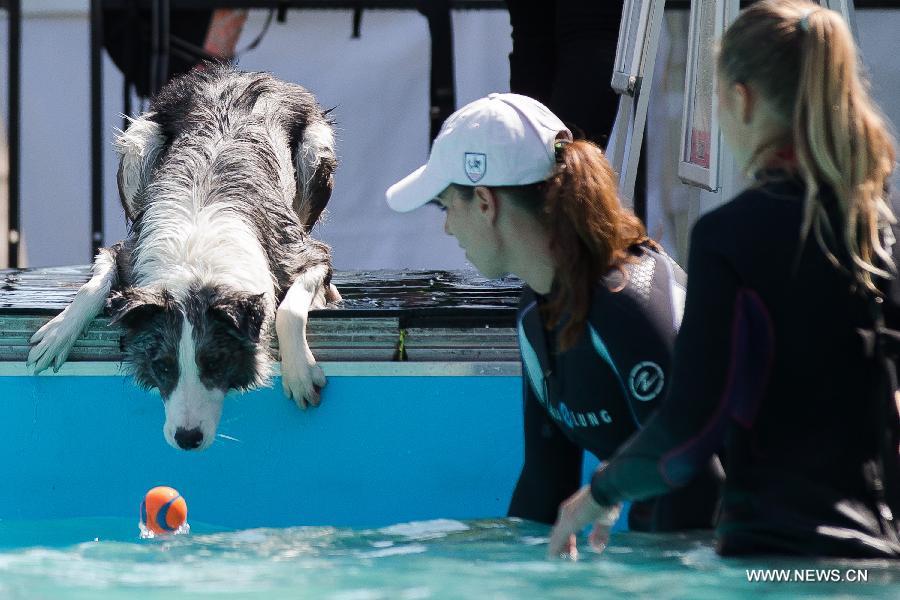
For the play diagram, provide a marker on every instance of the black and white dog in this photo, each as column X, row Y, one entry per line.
column 221, row 182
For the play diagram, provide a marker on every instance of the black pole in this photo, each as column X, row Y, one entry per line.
column 159, row 45
column 155, row 9
column 96, row 127
column 15, row 38
column 164, row 40
column 443, row 87
column 133, row 34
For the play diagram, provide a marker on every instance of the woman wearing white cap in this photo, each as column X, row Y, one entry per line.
column 601, row 303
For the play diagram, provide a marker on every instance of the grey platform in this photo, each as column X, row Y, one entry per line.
column 389, row 323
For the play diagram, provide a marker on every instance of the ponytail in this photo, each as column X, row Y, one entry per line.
column 803, row 59
column 590, row 232
column 840, row 141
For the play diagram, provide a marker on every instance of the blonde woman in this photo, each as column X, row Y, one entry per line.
column 769, row 362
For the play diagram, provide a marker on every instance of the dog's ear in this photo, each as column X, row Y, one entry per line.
column 139, row 148
column 314, row 164
column 134, row 305
column 310, row 133
column 245, row 314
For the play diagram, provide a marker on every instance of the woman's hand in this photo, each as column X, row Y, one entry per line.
column 574, row 515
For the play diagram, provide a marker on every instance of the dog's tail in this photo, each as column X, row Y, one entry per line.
column 315, row 164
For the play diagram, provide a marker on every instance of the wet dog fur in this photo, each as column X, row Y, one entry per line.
column 221, row 182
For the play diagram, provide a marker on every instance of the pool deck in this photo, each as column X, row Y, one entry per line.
column 389, row 323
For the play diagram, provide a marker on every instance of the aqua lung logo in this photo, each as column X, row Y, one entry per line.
column 646, row 380
column 476, row 166
column 573, row 420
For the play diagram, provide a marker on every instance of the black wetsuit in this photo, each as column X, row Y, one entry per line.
column 768, row 362
column 595, row 395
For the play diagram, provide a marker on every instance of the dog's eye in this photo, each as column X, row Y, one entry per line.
column 205, row 364
column 163, row 367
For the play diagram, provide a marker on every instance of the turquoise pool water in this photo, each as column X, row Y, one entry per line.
column 80, row 452
column 437, row 559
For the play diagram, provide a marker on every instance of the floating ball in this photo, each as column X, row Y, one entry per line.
column 163, row 510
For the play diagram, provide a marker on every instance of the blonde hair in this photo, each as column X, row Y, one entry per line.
column 803, row 59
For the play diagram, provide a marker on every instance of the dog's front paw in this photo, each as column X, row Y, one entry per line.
column 51, row 344
column 302, row 380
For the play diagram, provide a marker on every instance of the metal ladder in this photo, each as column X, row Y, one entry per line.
column 704, row 161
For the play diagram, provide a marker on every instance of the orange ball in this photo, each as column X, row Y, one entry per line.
column 163, row 510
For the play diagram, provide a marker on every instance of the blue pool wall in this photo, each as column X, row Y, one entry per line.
column 379, row 450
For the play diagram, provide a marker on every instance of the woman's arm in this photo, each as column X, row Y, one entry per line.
column 721, row 366
column 722, row 359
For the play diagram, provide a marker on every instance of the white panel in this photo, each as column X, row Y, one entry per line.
column 378, row 85
column 630, row 48
column 700, row 138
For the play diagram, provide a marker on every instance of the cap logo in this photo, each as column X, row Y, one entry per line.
column 476, row 165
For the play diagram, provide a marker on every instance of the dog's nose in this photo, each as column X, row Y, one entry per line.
column 188, row 439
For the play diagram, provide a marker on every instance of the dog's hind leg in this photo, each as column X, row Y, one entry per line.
column 52, row 343
column 301, row 377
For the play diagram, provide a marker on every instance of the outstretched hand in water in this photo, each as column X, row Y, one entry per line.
column 575, row 514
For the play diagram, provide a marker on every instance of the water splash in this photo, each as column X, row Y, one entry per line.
column 147, row 534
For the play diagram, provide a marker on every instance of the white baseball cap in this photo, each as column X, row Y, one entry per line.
column 503, row 139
